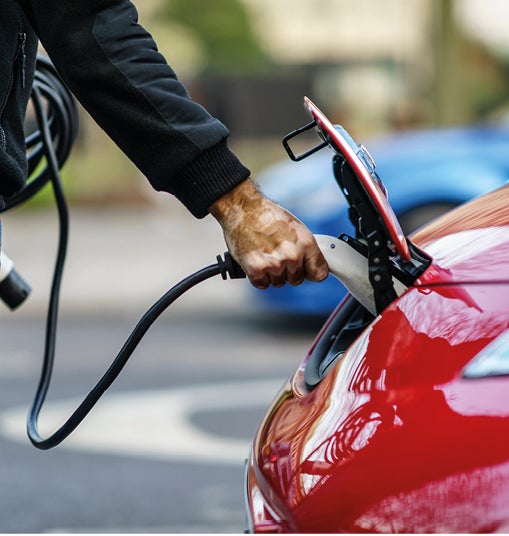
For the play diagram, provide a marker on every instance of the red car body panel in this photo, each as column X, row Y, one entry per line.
column 395, row 438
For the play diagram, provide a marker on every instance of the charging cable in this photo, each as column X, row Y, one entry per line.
column 60, row 124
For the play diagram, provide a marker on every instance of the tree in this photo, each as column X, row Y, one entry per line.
column 224, row 31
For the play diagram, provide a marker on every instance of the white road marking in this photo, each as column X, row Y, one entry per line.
column 152, row 424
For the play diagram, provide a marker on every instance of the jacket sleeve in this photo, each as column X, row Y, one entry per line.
column 113, row 67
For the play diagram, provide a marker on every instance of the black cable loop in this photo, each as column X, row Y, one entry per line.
column 62, row 121
column 44, row 142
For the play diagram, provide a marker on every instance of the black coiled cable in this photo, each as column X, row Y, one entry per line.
column 57, row 121
column 62, row 122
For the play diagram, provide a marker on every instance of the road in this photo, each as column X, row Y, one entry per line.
column 164, row 449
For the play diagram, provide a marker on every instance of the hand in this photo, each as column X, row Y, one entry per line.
column 271, row 245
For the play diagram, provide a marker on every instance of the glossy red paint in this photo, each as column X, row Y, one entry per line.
column 469, row 243
column 394, row 438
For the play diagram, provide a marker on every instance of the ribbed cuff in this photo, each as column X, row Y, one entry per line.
column 214, row 173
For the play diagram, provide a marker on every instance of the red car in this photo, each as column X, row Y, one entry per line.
column 397, row 420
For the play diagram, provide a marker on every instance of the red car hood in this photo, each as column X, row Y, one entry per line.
column 472, row 236
column 395, row 438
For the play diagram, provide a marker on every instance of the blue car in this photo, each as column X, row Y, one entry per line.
column 425, row 174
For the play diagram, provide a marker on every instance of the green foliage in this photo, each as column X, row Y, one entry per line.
column 223, row 29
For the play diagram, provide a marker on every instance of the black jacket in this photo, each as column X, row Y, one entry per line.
column 113, row 67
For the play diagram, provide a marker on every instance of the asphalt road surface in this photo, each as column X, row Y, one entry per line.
column 163, row 451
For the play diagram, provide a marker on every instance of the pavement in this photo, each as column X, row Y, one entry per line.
column 120, row 259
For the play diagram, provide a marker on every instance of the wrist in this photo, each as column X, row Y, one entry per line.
column 236, row 200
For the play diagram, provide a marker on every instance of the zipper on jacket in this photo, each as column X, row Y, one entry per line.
column 22, row 39
column 20, row 57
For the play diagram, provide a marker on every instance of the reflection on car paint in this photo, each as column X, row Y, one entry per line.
column 492, row 361
column 383, row 413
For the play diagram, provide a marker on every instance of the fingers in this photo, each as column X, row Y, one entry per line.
column 281, row 267
column 264, row 270
column 316, row 266
column 297, row 277
column 267, row 280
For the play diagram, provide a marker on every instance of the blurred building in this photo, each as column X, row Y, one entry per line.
column 320, row 30
column 359, row 59
column 390, row 63
column 308, row 31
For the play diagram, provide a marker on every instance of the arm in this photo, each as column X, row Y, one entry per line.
column 113, row 67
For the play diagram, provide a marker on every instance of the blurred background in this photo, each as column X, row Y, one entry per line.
column 139, row 464
column 372, row 66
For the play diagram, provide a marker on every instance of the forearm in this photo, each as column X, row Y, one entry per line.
column 113, row 67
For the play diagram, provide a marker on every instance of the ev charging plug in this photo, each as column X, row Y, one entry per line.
column 14, row 290
column 351, row 268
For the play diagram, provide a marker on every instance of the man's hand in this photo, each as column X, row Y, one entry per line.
column 270, row 244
